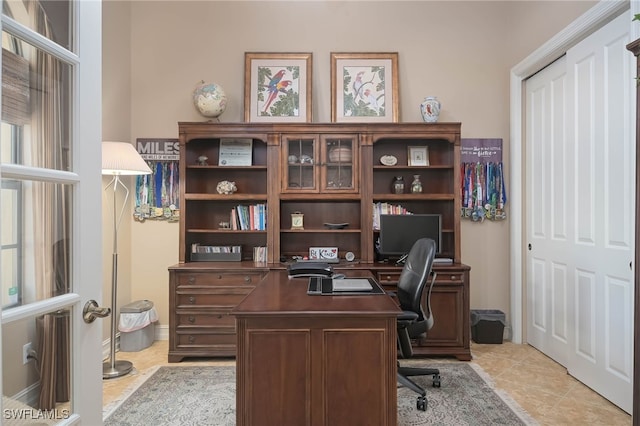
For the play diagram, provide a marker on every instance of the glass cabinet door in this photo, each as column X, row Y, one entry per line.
column 320, row 163
column 340, row 163
column 300, row 159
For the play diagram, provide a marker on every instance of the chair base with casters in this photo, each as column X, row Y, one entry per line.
column 405, row 321
column 403, row 378
column 413, row 322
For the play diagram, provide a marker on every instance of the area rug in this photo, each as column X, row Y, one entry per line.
column 206, row 396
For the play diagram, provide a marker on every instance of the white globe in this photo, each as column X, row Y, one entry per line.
column 210, row 99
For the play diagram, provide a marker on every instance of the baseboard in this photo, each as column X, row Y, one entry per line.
column 162, row 332
column 106, row 347
column 29, row 396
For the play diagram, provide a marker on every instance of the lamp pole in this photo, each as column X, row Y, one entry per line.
column 115, row 368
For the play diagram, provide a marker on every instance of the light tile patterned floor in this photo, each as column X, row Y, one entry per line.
column 541, row 387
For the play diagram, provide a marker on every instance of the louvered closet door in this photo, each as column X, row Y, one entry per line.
column 580, row 198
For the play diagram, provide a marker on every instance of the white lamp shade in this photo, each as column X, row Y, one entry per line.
column 121, row 158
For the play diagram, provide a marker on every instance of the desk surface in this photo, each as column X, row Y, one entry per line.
column 279, row 295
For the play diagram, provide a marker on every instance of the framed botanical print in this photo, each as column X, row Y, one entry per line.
column 364, row 87
column 277, row 87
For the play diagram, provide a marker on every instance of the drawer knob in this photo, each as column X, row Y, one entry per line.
column 388, row 277
column 220, row 316
column 192, row 280
column 247, row 279
column 192, row 339
column 219, row 277
column 453, row 277
column 192, row 300
column 192, row 319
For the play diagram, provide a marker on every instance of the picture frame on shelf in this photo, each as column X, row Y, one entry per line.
column 418, row 156
column 277, row 87
column 235, row 152
column 364, row 87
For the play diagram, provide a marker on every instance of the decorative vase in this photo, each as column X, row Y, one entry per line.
column 397, row 187
column 416, row 185
column 430, row 109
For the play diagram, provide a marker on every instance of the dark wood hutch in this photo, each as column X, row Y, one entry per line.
column 331, row 174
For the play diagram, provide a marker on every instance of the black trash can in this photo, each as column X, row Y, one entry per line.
column 487, row 325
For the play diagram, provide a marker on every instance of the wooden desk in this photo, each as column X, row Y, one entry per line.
column 315, row 360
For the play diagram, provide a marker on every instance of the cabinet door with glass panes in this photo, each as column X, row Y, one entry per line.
column 320, row 163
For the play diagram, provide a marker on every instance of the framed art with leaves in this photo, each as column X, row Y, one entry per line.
column 277, row 87
column 364, row 87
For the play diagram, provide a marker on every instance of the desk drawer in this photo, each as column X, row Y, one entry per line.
column 220, row 319
column 448, row 278
column 219, row 278
column 194, row 340
column 209, row 300
column 388, row 277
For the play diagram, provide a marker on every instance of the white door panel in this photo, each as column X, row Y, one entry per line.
column 57, row 145
column 548, row 186
column 580, row 223
column 603, row 78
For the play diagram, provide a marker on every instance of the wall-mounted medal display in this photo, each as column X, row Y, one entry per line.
column 483, row 190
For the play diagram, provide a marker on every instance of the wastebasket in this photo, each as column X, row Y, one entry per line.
column 487, row 325
column 137, row 325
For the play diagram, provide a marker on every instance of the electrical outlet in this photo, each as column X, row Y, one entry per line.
column 25, row 352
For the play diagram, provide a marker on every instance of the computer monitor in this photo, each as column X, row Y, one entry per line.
column 399, row 232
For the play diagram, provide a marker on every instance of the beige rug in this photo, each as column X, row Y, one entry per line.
column 175, row 395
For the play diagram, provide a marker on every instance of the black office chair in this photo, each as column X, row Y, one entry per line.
column 413, row 322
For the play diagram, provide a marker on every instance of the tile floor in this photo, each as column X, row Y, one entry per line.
column 541, row 387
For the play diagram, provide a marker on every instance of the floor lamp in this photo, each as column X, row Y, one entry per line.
column 118, row 159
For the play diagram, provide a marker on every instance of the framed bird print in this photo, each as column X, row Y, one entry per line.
column 277, row 87
column 364, row 87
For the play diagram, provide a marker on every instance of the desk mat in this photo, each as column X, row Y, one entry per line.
column 324, row 287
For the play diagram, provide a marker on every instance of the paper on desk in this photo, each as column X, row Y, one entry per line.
column 351, row 284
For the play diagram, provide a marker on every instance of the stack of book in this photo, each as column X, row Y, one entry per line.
column 215, row 253
column 386, row 208
column 260, row 254
column 249, row 218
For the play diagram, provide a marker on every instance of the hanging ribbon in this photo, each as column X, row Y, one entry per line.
column 482, row 188
column 483, row 191
column 158, row 194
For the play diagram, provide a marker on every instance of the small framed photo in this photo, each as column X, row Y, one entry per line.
column 418, row 156
column 364, row 87
column 277, row 87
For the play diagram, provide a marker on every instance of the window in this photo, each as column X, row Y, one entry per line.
column 35, row 134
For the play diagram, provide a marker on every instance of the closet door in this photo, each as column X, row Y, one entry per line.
column 549, row 193
column 580, row 193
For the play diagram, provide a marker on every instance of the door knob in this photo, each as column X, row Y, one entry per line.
column 92, row 311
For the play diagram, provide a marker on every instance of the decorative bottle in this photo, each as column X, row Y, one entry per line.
column 416, row 185
column 397, row 187
column 430, row 109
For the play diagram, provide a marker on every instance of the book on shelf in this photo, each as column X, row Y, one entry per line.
column 252, row 217
column 260, row 254
column 198, row 248
column 386, row 208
